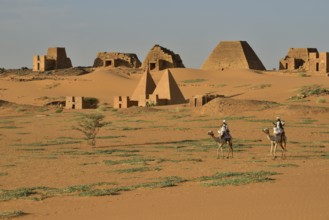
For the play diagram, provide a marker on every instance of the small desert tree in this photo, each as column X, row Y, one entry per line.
column 89, row 125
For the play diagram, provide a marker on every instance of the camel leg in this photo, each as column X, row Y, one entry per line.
column 220, row 147
column 274, row 150
column 230, row 148
column 283, row 156
column 271, row 150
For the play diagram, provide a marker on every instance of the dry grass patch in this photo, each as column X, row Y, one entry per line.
column 12, row 214
column 237, row 178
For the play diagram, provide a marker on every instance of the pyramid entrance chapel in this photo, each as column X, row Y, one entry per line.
column 305, row 59
column 233, row 55
column 116, row 59
column 55, row 59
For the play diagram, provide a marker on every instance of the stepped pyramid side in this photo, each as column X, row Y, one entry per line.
column 145, row 87
column 168, row 89
column 233, row 55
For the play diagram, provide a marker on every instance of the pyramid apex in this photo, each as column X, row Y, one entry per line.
column 145, row 87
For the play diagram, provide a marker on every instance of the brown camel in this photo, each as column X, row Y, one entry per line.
column 275, row 141
column 221, row 141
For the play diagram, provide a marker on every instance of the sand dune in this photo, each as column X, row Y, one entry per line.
column 54, row 174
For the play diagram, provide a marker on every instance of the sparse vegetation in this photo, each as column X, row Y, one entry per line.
column 303, row 74
column 307, row 121
column 311, row 90
column 41, row 193
column 2, row 70
column 11, row 214
column 321, row 100
column 89, row 125
column 130, row 129
column 144, row 145
column 59, row 110
column 103, row 108
column 3, row 174
column 137, row 169
column 51, row 86
column 59, row 141
column 261, row 86
column 194, row 80
column 314, row 146
column 236, row 178
column 135, row 160
column 325, row 156
column 284, row 165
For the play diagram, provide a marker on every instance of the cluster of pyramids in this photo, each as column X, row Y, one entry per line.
column 148, row 93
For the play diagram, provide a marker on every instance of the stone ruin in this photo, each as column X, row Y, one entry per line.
column 113, row 59
column 233, row 55
column 79, row 102
column 55, row 59
column 147, row 93
column 74, row 102
column 160, row 58
column 200, row 100
column 305, row 59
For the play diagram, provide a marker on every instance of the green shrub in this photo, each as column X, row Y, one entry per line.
column 60, row 110
column 89, row 125
column 311, row 90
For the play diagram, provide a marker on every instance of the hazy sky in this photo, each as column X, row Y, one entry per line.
column 191, row 28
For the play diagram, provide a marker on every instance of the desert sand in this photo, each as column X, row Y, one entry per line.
column 159, row 162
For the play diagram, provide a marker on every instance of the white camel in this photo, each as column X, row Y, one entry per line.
column 226, row 139
column 275, row 141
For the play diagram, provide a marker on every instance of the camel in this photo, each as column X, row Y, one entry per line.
column 221, row 141
column 275, row 140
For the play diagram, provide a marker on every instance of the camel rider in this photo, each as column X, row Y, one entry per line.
column 278, row 129
column 223, row 130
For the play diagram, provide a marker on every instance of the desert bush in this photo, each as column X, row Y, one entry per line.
column 2, row 70
column 311, row 90
column 91, row 102
column 11, row 214
column 89, row 125
column 303, row 74
column 321, row 100
column 59, row 110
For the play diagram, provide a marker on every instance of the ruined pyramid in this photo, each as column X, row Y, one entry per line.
column 145, row 87
column 160, row 58
column 233, row 55
column 168, row 89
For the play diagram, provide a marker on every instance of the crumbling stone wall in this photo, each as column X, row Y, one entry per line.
column 55, row 59
column 305, row 59
column 233, row 55
column 160, row 58
column 117, row 59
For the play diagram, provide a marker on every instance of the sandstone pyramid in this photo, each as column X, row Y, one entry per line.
column 160, row 58
column 168, row 89
column 145, row 87
column 233, row 55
